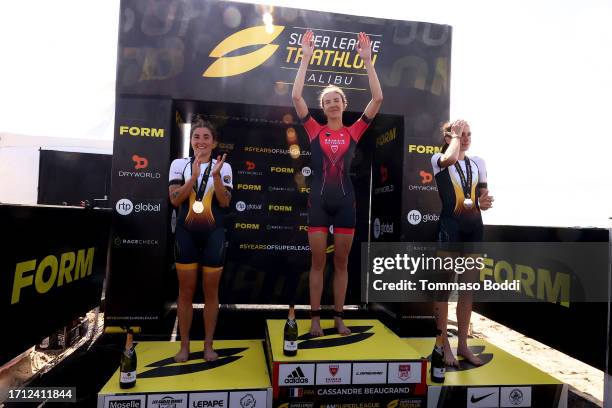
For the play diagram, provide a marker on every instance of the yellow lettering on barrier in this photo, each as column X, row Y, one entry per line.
column 20, row 280
column 84, row 263
column 65, row 267
column 40, row 284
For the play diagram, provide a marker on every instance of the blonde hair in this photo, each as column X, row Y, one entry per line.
column 330, row 89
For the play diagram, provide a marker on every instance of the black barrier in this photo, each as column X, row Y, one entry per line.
column 53, row 264
column 228, row 62
column 578, row 329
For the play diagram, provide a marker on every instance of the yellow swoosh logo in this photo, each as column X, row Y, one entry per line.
column 229, row 66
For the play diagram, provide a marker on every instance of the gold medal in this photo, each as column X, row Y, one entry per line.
column 468, row 203
column 197, row 207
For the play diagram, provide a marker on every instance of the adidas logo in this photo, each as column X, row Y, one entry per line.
column 296, row 377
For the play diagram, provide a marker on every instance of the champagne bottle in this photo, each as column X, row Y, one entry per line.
column 127, row 369
column 437, row 366
column 290, row 334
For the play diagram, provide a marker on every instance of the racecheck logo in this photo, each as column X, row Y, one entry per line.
column 126, row 207
column 124, row 242
column 228, row 66
column 166, row 367
column 415, row 217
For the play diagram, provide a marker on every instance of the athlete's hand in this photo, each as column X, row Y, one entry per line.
column 195, row 168
column 364, row 46
column 216, row 170
column 457, row 127
column 485, row 201
column 308, row 44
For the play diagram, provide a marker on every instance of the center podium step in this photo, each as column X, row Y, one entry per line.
column 370, row 368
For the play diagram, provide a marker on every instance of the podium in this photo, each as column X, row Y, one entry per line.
column 502, row 381
column 370, row 368
column 239, row 378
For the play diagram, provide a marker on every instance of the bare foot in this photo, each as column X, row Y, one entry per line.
column 210, row 354
column 182, row 355
column 342, row 329
column 449, row 357
column 315, row 327
column 467, row 354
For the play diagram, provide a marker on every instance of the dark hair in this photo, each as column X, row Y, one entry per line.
column 445, row 130
column 198, row 122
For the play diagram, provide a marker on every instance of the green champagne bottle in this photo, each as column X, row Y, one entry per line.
column 127, row 369
column 437, row 366
column 290, row 335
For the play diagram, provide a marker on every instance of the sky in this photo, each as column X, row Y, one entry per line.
column 533, row 79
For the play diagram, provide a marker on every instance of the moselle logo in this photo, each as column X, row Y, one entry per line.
column 465, row 365
column 384, row 174
column 141, row 131
column 134, row 242
column 403, row 372
column 249, row 165
column 279, row 208
column 426, row 177
column 226, row 66
column 248, row 401
column 515, row 397
column 208, row 400
column 166, row 367
column 168, row 401
column 281, row 170
column 245, row 226
column 242, row 206
column 284, row 189
column 424, row 149
column 306, row 171
column 140, row 162
column 249, row 187
column 415, row 217
column 330, row 336
column 126, row 207
column 126, row 403
column 482, row 397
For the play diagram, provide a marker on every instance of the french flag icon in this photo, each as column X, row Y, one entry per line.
column 296, row 392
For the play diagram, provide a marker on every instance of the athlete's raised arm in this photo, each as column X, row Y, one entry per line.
column 453, row 138
column 364, row 48
column 298, row 85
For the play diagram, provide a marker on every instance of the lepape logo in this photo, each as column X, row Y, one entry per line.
column 226, row 66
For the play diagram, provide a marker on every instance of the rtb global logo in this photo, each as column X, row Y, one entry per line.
column 125, row 206
column 415, row 217
column 381, row 228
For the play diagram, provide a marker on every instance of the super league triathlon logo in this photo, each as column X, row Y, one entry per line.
column 358, row 333
column 335, row 59
column 168, row 367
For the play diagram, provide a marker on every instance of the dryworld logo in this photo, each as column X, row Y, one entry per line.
column 225, row 66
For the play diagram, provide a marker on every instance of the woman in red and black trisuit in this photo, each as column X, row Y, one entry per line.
column 332, row 197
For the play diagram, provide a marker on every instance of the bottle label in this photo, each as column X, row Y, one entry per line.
column 128, row 377
column 438, row 372
column 291, row 345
